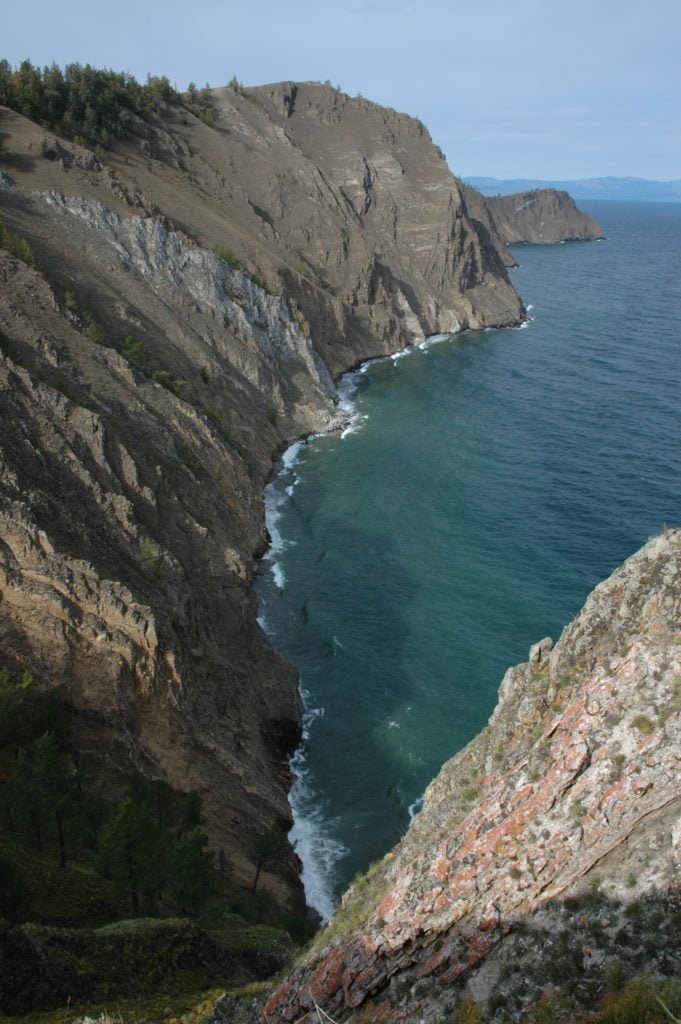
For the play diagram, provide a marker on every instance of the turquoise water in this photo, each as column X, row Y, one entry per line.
column 489, row 482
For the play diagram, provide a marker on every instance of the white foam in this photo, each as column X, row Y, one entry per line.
column 434, row 339
column 291, row 455
column 347, row 390
column 400, row 355
column 278, row 575
column 528, row 308
column 414, row 808
column 318, row 851
column 277, row 493
column 355, row 424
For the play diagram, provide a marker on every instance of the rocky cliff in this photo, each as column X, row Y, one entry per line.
column 547, row 851
column 173, row 311
column 541, row 215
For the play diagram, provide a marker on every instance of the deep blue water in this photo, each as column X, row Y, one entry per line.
column 491, row 481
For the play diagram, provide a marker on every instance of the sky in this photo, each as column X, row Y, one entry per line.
column 507, row 88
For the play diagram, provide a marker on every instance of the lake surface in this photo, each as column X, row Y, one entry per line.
column 488, row 483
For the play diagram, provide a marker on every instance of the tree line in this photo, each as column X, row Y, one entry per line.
column 88, row 105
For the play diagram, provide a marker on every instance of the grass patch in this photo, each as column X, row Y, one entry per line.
column 73, row 896
column 227, row 256
column 642, row 1002
column 470, row 793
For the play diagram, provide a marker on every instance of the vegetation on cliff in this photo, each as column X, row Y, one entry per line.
column 63, row 806
column 83, row 103
column 84, row 850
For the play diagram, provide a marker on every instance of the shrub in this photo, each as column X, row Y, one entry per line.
column 149, row 558
column 467, row 1012
column 18, row 247
column 95, row 333
column 227, row 256
column 641, row 1003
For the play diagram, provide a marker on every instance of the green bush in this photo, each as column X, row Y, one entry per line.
column 18, row 247
column 227, row 256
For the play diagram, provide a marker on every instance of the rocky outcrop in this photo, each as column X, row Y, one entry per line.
column 200, row 287
column 554, row 838
column 541, row 215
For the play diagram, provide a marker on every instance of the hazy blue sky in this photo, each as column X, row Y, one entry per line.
column 509, row 88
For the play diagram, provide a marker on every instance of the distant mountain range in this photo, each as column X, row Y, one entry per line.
column 632, row 189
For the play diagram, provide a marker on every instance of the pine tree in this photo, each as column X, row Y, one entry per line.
column 189, row 871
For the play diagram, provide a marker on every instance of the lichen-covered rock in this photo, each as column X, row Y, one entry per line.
column 571, row 791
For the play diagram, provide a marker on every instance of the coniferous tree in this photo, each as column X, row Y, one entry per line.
column 189, row 871
column 131, row 854
column 43, row 783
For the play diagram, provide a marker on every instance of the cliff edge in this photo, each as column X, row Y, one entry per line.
column 547, row 850
column 543, row 215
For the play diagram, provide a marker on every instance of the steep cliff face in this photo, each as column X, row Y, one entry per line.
column 545, row 850
column 131, row 515
column 406, row 253
column 146, row 384
column 541, row 215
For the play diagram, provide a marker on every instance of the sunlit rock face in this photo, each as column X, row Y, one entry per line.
column 537, row 840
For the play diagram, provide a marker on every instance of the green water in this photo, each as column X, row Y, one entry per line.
column 488, row 483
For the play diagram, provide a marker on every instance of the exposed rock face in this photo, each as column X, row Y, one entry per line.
column 541, row 215
column 562, row 815
column 406, row 253
column 146, row 385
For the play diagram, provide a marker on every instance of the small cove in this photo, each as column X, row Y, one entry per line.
column 490, row 481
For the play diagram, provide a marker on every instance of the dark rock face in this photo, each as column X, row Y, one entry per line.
column 552, row 838
column 146, row 384
column 541, row 215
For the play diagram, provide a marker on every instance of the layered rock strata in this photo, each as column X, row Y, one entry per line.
column 554, row 838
